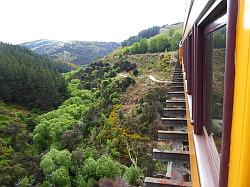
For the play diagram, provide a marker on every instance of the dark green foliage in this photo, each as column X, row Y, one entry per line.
column 147, row 33
column 135, row 72
column 125, row 65
column 17, row 158
column 29, row 79
column 87, row 140
column 150, row 32
column 159, row 43
column 220, row 38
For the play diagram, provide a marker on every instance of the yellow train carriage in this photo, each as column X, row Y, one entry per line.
column 215, row 56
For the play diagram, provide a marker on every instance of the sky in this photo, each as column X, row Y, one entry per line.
column 84, row 20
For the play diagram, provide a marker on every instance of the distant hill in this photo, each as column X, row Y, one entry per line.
column 76, row 52
column 177, row 27
column 151, row 32
column 167, row 39
column 147, row 33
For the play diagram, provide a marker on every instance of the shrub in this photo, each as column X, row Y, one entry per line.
column 107, row 168
column 132, row 174
column 135, row 72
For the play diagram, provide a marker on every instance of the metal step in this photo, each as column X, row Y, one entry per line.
column 174, row 121
column 170, row 155
column 177, row 94
column 177, row 80
column 172, row 135
column 173, row 83
column 177, row 76
column 162, row 182
column 174, row 112
column 176, row 88
column 177, row 73
column 176, row 103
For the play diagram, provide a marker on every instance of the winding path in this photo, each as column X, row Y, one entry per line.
column 152, row 78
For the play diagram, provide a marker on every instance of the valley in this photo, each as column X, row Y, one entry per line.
column 103, row 126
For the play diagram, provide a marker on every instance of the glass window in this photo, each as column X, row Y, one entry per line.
column 215, row 43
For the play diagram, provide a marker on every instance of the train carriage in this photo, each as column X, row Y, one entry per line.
column 215, row 58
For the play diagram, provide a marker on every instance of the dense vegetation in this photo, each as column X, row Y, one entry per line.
column 167, row 41
column 29, row 79
column 101, row 134
column 147, row 33
column 17, row 156
column 72, row 52
column 92, row 138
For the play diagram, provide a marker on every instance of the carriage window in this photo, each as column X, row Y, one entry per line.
column 214, row 83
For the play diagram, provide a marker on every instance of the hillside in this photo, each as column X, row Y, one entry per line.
column 154, row 31
column 99, row 131
column 109, row 121
column 177, row 27
column 29, row 79
column 167, row 39
column 76, row 52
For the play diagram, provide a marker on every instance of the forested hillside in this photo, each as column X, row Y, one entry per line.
column 97, row 125
column 166, row 40
column 29, row 79
column 99, row 135
column 147, row 33
column 74, row 52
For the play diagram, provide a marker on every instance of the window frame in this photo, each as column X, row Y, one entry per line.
column 218, row 166
column 212, row 27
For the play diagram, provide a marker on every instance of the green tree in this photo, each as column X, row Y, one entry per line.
column 60, row 177
column 47, row 165
column 153, row 45
column 55, row 165
column 142, row 46
column 162, row 43
column 108, row 168
column 132, row 174
column 89, row 168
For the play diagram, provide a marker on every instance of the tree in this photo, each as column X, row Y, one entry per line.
column 142, row 46
column 89, row 168
column 47, row 165
column 132, row 174
column 30, row 79
column 55, row 165
column 162, row 43
column 60, row 177
column 108, row 168
column 153, row 45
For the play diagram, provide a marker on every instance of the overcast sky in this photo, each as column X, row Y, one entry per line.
column 89, row 20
